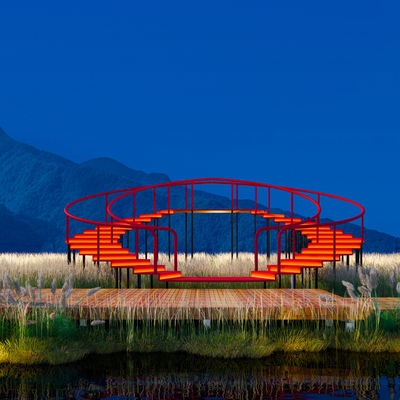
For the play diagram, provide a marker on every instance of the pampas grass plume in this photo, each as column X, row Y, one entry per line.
column 93, row 291
column 54, row 286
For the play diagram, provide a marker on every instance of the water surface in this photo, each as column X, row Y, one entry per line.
column 179, row 376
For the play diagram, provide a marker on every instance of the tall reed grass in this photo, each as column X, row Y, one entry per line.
column 26, row 267
column 57, row 338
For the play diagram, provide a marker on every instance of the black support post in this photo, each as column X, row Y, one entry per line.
column 316, row 278
column 139, row 281
column 116, row 278
column 69, row 254
column 73, row 256
column 348, row 262
column 83, row 262
column 293, row 283
column 361, row 255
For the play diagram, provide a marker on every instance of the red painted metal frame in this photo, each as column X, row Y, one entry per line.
column 311, row 222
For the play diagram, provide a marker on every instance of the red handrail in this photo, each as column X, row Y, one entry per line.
column 192, row 182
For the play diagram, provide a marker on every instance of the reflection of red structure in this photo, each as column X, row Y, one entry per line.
column 310, row 242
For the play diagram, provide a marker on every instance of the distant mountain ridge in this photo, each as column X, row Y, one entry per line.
column 36, row 185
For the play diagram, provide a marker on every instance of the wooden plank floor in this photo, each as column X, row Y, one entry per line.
column 215, row 303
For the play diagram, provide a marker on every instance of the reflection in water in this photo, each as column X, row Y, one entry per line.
column 183, row 377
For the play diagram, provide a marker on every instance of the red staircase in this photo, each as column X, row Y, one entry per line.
column 325, row 243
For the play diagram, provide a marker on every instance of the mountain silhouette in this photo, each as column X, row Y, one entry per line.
column 36, row 185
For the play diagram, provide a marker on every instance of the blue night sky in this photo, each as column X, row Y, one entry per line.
column 291, row 93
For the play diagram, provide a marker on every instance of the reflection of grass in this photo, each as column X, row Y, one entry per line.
column 46, row 334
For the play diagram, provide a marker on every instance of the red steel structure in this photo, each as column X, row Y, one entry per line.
column 325, row 243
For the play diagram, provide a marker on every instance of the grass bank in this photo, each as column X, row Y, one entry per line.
column 32, row 332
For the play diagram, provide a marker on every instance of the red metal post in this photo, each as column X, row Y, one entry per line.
column 192, row 195
column 169, row 197
column 185, row 197
column 133, row 207
column 334, row 243
column 98, row 244
column 362, row 229
column 67, row 230
column 291, row 207
column 137, row 243
column 112, row 226
column 255, row 196
column 269, row 200
column 318, row 223
column 232, row 196
column 293, row 231
column 106, row 207
column 154, row 200
column 237, row 197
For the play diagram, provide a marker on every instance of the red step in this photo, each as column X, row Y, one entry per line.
column 130, row 263
column 169, row 275
column 266, row 275
column 327, row 251
column 147, row 269
column 285, row 269
column 322, row 257
column 311, row 263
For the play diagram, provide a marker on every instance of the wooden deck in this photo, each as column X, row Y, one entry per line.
column 215, row 303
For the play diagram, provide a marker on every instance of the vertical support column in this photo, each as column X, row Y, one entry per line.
column 231, row 235
column 237, row 221
column 156, row 224
column 116, row 278
column 185, row 236
column 294, row 243
column 73, row 256
column 106, row 205
column 237, row 235
column 139, row 281
column 145, row 242
column 154, row 200
column 191, row 224
column 348, row 262
column 316, row 278
column 83, row 262
column 68, row 245
column 69, row 253
column 334, row 250
column 361, row 255
column 127, row 270
column 98, row 245
column 268, row 239
column 286, row 246
column 137, row 243
column 293, row 283
column 169, row 235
